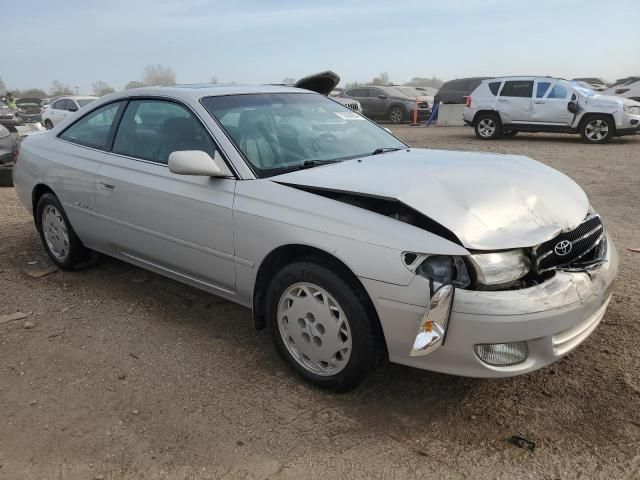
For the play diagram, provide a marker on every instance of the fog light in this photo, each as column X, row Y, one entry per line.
column 502, row 354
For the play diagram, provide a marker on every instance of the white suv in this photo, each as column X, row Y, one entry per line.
column 506, row 106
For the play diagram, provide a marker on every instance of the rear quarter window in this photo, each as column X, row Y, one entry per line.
column 517, row 88
column 494, row 87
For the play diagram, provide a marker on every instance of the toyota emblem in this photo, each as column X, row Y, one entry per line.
column 563, row 247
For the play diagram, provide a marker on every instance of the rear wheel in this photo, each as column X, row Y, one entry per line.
column 396, row 115
column 47, row 124
column 321, row 325
column 58, row 237
column 597, row 129
column 487, row 126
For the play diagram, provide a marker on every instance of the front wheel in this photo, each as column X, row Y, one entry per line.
column 487, row 126
column 396, row 115
column 597, row 129
column 321, row 325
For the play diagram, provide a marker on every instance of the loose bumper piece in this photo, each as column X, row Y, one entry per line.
column 433, row 326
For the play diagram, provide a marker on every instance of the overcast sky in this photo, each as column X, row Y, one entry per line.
column 256, row 41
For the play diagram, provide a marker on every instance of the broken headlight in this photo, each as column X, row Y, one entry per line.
column 501, row 268
column 440, row 269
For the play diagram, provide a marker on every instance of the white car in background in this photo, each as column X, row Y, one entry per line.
column 61, row 108
column 508, row 105
column 626, row 87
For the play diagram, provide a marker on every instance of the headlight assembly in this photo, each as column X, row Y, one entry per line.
column 632, row 109
column 501, row 268
column 438, row 268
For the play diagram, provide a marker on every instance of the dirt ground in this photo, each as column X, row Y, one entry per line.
column 116, row 373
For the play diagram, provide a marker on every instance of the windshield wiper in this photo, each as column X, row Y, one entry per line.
column 302, row 166
column 315, row 163
column 378, row 151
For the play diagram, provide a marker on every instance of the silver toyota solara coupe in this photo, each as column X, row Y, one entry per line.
column 347, row 244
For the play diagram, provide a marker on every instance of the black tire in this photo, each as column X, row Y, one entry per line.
column 597, row 128
column 365, row 344
column 47, row 124
column 396, row 114
column 487, row 126
column 6, row 177
column 76, row 252
column 509, row 133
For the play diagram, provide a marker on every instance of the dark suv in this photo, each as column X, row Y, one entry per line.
column 456, row 91
column 387, row 102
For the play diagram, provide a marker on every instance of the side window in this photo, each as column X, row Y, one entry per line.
column 358, row 92
column 494, row 87
column 558, row 91
column 517, row 88
column 542, row 88
column 59, row 104
column 153, row 129
column 93, row 129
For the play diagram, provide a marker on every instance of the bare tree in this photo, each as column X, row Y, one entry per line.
column 58, row 89
column 30, row 93
column 159, row 75
column 101, row 88
column 289, row 81
column 382, row 79
column 134, row 84
column 214, row 79
column 434, row 82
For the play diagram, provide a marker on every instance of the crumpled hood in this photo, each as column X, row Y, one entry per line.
column 489, row 201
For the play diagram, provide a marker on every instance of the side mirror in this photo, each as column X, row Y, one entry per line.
column 197, row 162
column 572, row 107
column 72, row 109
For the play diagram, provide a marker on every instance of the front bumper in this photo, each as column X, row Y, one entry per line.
column 553, row 318
column 630, row 125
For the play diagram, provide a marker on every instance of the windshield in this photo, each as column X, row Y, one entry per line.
column 85, row 101
column 413, row 92
column 280, row 132
column 587, row 92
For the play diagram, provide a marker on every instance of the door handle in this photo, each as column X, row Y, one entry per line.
column 539, row 103
column 106, row 183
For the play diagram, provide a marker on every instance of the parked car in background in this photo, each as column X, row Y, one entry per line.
column 63, row 107
column 456, row 91
column 420, row 93
column 508, row 105
column 8, row 150
column 596, row 84
column 626, row 87
column 351, row 103
column 345, row 242
column 29, row 110
column 386, row 102
column 8, row 116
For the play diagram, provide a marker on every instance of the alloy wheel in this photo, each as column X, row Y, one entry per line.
column 487, row 127
column 396, row 115
column 596, row 130
column 314, row 329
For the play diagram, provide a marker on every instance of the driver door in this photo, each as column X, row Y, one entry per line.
column 550, row 105
column 180, row 225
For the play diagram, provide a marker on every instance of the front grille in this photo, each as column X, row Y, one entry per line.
column 423, row 105
column 581, row 246
column 352, row 106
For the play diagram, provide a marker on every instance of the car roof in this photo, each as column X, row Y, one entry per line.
column 199, row 90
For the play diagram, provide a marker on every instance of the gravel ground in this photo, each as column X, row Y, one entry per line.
column 116, row 373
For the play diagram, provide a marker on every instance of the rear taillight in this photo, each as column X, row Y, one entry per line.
column 469, row 101
column 621, row 90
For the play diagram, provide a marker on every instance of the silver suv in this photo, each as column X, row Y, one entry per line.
column 506, row 106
